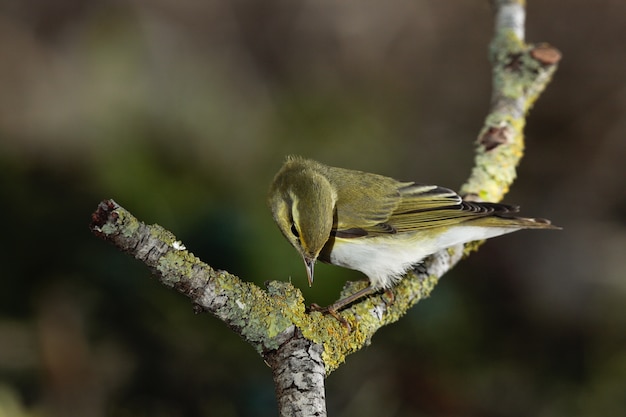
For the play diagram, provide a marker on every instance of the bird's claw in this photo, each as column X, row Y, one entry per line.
column 333, row 312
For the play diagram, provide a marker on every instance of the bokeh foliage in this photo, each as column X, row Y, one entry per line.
column 182, row 112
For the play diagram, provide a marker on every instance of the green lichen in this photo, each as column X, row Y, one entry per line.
column 175, row 267
column 495, row 170
column 505, row 42
column 260, row 315
column 123, row 223
column 339, row 342
column 131, row 224
column 109, row 229
column 470, row 247
column 162, row 235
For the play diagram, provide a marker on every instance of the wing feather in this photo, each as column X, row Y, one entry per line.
column 421, row 207
column 374, row 205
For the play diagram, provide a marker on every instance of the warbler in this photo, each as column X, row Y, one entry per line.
column 376, row 224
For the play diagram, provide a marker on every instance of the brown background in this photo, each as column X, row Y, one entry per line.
column 182, row 112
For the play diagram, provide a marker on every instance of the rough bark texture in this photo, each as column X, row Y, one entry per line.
column 299, row 374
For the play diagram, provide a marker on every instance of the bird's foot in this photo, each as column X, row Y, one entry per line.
column 333, row 312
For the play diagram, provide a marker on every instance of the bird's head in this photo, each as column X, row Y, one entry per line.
column 302, row 201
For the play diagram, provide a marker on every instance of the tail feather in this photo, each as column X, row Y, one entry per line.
column 504, row 215
column 507, row 220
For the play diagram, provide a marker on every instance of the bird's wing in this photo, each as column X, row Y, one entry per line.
column 364, row 201
column 424, row 206
column 418, row 207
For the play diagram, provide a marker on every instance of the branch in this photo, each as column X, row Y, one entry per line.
column 271, row 321
column 263, row 318
column 300, row 347
column 303, row 347
column 520, row 73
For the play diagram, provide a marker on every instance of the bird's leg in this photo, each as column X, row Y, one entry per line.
column 340, row 304
column 336, row 315
column 334, row 308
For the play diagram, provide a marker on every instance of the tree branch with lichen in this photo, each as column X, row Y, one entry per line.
column 303, row 347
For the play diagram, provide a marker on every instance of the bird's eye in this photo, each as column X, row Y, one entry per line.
column 294, row 230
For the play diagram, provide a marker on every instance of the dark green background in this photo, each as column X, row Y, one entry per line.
column 182, row 112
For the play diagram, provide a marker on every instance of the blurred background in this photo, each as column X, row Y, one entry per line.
column 182, row 111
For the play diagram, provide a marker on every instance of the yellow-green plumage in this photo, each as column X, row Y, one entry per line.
column 375, row 224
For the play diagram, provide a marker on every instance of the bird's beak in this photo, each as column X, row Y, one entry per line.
column 309, row 263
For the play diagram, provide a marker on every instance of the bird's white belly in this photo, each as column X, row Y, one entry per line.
column 385, row 259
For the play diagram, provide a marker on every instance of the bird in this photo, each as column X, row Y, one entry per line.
column 375, row 224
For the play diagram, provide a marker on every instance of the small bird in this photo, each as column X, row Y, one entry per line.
column 376, row 224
